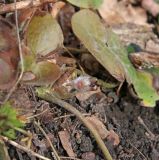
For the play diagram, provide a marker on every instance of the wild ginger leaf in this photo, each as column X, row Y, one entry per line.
column 86, row 3
column 42, row 73
column 9, row 55
column 44, row 34
column 106, row 47
column 93, row 35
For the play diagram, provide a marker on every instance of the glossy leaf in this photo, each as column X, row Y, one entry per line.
column 44, row 34
column 106, row 47
column 86, row 3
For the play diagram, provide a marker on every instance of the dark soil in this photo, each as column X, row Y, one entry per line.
column 137, row 142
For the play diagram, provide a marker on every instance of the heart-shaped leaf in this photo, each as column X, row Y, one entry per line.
column 106, row 47
column 86, row 3
column 9, row 55
column 42, row 73
column 44, row 34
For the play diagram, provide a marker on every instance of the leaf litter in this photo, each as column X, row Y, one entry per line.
column 63, row 72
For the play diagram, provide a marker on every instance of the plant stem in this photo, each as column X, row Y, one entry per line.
column 49, row 97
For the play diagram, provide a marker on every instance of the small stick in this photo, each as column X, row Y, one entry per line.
column 138, row 151
column 70, row 115
column 147, row 129
column 69, row 158
column 49, row 97
column 52, row 147
column 22, row 5
column 25, row 149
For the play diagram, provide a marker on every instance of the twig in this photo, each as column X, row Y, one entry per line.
column 23, row 4
column 28, row 134
column 69, row 115
column 147, row 129
column 36, row 115
column 20, row 54
column 74, row 58
column 69, row 158
column 3, row 151
column 49, row 97
column 138, row 151
column 25, row 149
column 52, row 147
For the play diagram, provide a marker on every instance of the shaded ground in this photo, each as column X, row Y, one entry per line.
column 136, row 141
column 137, row 127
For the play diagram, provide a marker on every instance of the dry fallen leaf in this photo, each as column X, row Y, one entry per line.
column 113, row 137
column 88, row 156
column 83, row 96
column 121, row 12
column 65, row 140
column 151, row 6
column 143, row 60
column 98, row 125
column 56, row 8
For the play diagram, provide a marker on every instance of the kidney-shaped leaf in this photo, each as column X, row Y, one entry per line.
column 86, row 3
column 9, row 55
column 93, row 35
column 42, row 73
column 44, row 34
column 106, row 47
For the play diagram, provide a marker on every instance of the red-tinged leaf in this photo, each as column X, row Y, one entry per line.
column 9, row 55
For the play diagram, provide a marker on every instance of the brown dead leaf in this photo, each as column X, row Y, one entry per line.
column 151, row 46
column 56, row 8
column 21, row 102
column 25, row 16
column 113, row 137
column 121, row 12
column 143, row 60
column 98, row 125
column 65, row 140
column 88, row 156
column 151, row 6
column 83, row 96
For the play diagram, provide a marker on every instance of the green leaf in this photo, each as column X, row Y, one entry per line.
column 8, row 120
column 93, row 35
column 106, row 47
column 44, row 34
column 42, row 73
column 86, row 3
